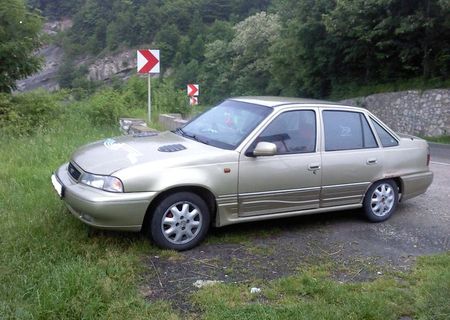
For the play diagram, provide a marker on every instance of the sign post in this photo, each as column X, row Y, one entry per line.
column 149, row 99
column 148, row 62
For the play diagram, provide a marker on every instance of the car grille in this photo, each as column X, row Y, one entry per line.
column 74, row 172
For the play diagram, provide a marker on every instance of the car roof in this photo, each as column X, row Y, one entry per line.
column 272, row 101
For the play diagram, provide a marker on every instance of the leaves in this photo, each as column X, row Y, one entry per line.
column 19, row 38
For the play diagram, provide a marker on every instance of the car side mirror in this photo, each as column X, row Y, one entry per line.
column 264, row 148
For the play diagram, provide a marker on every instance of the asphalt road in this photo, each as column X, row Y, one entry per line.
column 440, row 152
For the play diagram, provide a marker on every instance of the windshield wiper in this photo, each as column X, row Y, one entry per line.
column 192, row 136
column 179, row 131
column 196, row 138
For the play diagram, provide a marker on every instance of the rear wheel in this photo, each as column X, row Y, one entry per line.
column 180, row 221
column 381, row 200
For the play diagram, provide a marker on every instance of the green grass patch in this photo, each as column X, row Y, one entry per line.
column 439, row 139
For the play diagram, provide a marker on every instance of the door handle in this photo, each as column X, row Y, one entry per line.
column 313, row 166
column 371, row 161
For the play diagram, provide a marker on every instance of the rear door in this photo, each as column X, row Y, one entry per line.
column 289, row 180
column 351, row 157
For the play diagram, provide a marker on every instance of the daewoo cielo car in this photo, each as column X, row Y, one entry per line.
column 246, row 159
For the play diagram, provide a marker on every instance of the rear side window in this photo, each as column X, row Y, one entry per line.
column 346, row 130
column 387, row 140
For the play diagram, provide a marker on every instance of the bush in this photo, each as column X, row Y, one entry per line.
column 168, row 99
column 25, row 113
column 106, row 107
column 135, row 93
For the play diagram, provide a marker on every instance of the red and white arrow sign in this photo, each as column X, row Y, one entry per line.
column 193, row 101
column 148, row 61
column 192, row 90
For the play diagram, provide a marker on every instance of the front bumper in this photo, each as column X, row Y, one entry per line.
column 102, row 209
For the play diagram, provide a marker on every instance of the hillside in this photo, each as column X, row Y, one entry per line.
column 277, row 47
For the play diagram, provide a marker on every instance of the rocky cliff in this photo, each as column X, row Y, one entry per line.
column 52, row 54
column 120, row 65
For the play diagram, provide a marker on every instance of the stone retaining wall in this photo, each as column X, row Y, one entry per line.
column 424, row 113
column 171, row 121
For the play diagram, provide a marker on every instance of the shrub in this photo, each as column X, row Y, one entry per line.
column 168, row 99
column 25, row 113
column 106, row 107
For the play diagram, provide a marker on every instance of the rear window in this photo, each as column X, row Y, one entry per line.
column 346, row 130
column 387, row 140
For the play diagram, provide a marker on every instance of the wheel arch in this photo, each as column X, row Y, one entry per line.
column 202, row 192
column 398, row 181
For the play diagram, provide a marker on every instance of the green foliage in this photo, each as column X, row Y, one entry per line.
column 108, row 104
column 241, row 65
column 304, row 57
column 19, row 38
column 251, row 59
column 168, row 99
column 26, row 113
column 55, row 9
column 69, row 77
column 382, row 39
column 105, row 107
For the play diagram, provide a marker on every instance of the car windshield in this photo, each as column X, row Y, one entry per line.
column 225, row 125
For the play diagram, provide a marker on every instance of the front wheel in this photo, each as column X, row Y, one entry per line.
column 180, row 221
column 381, row 200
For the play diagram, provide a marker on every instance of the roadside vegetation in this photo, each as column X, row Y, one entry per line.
column 53, row 267
column 439, row 139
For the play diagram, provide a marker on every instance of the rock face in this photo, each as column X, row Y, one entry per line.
column 120, row 65
column 52, row 54
column 47, row 77
column 424, row 113
column 53, row 27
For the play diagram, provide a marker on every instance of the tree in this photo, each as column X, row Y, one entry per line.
column 385, row 39
column 251, row 62
column 19, row 39
column 304, row 55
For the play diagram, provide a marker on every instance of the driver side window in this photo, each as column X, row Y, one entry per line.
column 291, row 132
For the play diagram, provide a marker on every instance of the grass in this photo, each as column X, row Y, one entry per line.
column 439, row 139
column 49, row 267
column 52, row 268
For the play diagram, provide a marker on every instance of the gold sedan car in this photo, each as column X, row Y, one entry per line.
column 246, row 159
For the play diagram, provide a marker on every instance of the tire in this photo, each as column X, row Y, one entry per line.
column 180, row 221
column 381, row 200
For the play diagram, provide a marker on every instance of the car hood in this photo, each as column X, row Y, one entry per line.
column 113, row 154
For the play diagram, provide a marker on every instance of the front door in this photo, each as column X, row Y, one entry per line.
column 288, row 181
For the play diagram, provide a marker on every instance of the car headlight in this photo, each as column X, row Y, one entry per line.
column 106, row 183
